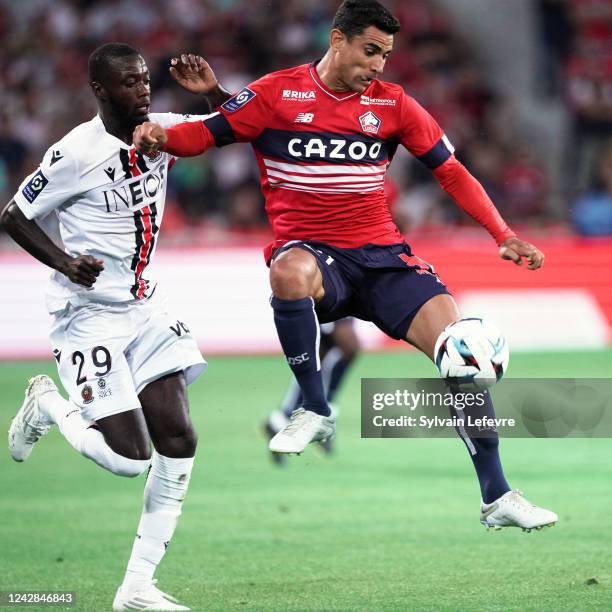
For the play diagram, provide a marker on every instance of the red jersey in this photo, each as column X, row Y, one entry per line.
column 323, row 154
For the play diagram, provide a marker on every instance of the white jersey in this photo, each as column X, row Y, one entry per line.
column 109, row 201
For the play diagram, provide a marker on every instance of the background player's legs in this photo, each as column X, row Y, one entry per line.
column 297, row 284
column 165, row 408
column 337, row 361
column 427, row 325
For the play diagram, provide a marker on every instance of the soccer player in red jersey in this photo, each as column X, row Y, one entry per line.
column 323, row 135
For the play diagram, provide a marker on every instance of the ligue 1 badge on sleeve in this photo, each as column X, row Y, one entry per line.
column 239, row 100
column 35, row 185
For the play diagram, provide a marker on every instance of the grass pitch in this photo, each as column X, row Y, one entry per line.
column 382, row 525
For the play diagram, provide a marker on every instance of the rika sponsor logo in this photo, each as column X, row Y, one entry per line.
column 367, row 101
column 35, row 185
column 239, row 100
column 370, row 123
column 298, row 96
column 304, row 118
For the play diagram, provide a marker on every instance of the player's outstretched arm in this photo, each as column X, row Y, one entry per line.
column 470, row 195
column 182, row 140
column 193, row 73
column 83, row 270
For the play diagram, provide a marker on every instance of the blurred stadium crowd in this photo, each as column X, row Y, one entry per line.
column 44, row 93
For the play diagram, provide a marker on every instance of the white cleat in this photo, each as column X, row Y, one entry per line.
column 304, row 427
column 145, row 597
column 513, row 510
column 30, row 424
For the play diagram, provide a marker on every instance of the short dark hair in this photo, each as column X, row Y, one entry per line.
column 354, row 16
column 100, row 61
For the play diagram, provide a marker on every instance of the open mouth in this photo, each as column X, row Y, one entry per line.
column 143, row 109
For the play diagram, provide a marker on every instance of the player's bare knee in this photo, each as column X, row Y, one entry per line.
column 138, row 453
column 178, row 444
column 136, row 448
column 295, row 275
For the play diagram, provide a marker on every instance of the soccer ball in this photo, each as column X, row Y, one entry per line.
column 471, row 353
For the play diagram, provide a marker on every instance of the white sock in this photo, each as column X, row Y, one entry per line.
column 291, row 400
column 163, row 499
column 54, row 406
column 87, row 441
column 277, row 420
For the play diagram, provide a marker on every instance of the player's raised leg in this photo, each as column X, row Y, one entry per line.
column 165, row 408
column 118, row 443
column 336, row 364
column 297, row 284
column 500, row 506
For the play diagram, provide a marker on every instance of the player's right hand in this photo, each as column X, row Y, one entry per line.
column 83, row 270
column 149, row 137
column 514, row 249
column 193, row 73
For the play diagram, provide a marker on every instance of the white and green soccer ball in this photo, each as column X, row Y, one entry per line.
column 471, row 354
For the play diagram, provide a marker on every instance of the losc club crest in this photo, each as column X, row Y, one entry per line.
column 87, row 394
column 370, row 123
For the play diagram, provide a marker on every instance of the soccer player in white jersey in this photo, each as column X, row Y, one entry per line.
column 123, row 360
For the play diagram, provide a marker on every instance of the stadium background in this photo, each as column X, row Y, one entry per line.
column 524, row 91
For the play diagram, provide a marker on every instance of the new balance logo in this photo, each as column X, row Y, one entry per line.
column 304, row 118
column 55, row 157
column 298, row 359
column 110, row 172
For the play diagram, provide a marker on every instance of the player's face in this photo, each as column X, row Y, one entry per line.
column 362, row 59
column 129, row 90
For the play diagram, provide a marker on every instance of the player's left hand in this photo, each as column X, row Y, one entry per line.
column 515, row 250
column 193, row 73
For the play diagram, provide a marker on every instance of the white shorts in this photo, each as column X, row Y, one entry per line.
column 107, row 354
